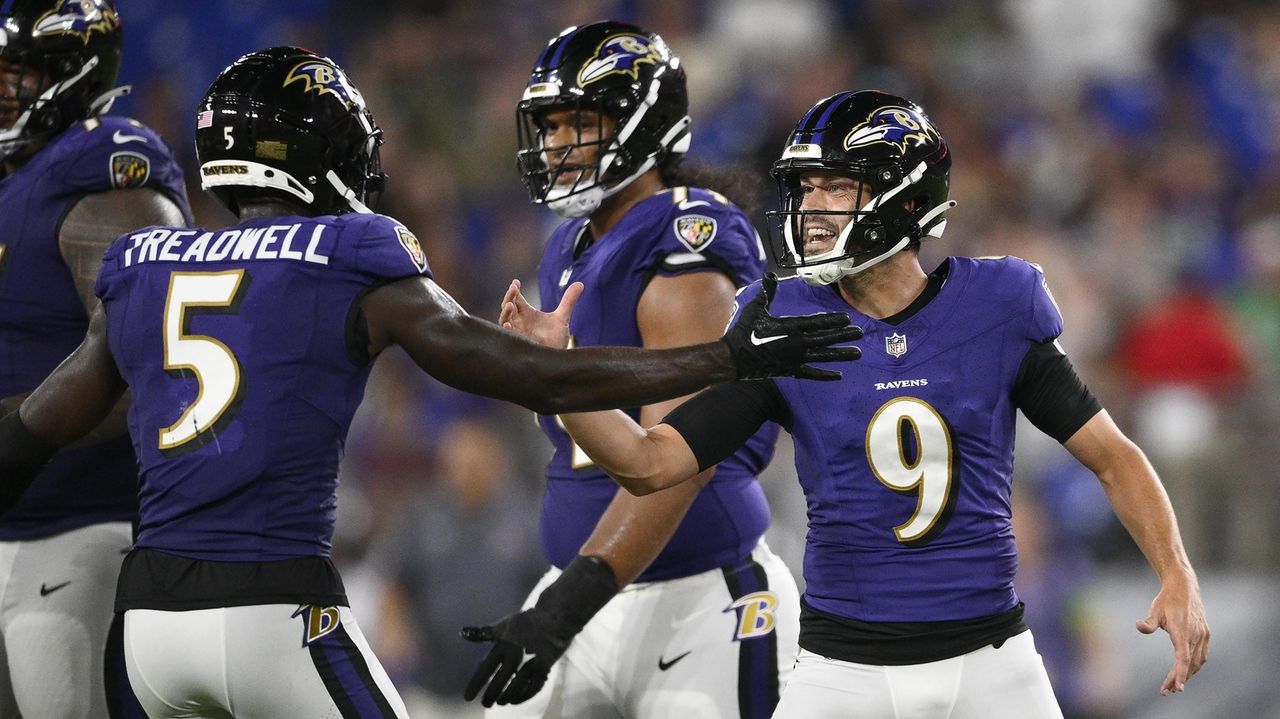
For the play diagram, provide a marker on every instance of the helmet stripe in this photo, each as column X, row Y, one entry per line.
column 560, row 48
column 826, row 107
column 832, row 105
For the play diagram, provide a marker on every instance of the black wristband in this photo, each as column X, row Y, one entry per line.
column 22, row 456
column 581, row 590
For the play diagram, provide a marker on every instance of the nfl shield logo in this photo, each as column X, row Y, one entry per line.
column 895, row 344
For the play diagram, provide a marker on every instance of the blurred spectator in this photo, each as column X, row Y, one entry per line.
column 455, row 552
column 1185, row 365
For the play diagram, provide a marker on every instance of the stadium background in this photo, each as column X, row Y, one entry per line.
column 1131, row 147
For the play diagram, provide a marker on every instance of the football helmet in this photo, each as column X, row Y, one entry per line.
column 887, row 145
column 286, row 123
column 62, row 58
column 613, row 69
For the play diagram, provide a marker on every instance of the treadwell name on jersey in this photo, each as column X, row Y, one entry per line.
column 275, row 242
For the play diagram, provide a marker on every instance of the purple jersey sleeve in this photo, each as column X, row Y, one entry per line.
column 701, row 230
column 386, row 249
column 118, row 153
column 1045, row 322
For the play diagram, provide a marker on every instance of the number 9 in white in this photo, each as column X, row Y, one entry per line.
column 900, row 426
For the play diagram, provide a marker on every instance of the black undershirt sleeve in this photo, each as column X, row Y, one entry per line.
column 1051, row 394
column 718, row 421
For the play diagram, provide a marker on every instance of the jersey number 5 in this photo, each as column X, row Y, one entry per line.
column 911, row 451
column 215, row 368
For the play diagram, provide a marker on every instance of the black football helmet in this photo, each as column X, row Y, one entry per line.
column 63, row 56
column 885, row 143
column 285, row 123
column 613, row 69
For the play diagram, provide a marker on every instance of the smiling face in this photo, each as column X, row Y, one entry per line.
column 828, row 192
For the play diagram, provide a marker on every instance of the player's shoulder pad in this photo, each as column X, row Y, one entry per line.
column 383, row 245
column 110, row 152
column 1004, row 275
column 1020, row 286
column 697, row 217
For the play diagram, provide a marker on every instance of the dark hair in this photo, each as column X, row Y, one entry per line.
column 743, row 186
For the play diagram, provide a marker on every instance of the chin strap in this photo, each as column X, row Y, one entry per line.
column 347, row 193
column 102, row 103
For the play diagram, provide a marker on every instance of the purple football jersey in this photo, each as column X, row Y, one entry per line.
column 906, row 463
column 673, row 232
column 234, row 343
column 42, row 318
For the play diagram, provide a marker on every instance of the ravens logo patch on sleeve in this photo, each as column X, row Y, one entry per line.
column 695, row 231
column 410, row 244
column 129, row 169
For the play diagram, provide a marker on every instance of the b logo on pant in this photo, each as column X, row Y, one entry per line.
column 756, row 615
column 316, row 622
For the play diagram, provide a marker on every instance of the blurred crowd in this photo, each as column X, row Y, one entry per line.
column 1130, row 147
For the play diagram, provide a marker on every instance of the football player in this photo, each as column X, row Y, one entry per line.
column 73, row 180
column 906, row 464
column 247, row 350
column 690, row 613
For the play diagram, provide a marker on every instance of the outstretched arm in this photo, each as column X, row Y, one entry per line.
column 477, row 356
column 641, row 460
column 1140, row 502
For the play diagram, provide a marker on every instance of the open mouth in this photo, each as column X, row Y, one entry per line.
column 818, row 239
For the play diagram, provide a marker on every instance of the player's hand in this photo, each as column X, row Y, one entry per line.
column 1178, row 610
column 763, row 345
column 546, row 328
column 510, row 682
column 543, row 631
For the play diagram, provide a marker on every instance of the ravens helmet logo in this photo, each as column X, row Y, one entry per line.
column 619, row 54
column 322, row 78
column 78, row 18
column 895, row 125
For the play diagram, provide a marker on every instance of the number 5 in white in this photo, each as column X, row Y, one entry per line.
column 929, row 473
column 215, row 368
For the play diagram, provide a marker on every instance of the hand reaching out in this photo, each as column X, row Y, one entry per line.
column 765, row 345
column 549, row 329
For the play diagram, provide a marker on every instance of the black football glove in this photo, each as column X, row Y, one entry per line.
column 766, row 346
column 544, row 631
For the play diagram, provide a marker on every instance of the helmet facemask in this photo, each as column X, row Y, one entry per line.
column 884, row 225
column 613, row 70
column 63, row 64
column 899, row 164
